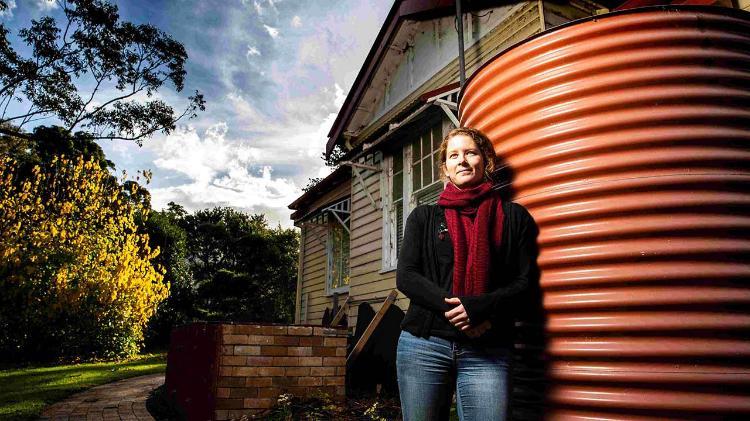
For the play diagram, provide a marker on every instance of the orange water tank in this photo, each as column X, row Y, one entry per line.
column 629, row 137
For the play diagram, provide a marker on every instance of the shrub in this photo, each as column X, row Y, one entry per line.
column 76, row 278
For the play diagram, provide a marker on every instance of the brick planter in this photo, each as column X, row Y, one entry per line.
column 253, row 365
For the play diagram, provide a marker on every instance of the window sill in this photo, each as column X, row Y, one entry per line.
column 383, row 271
column 344, row 290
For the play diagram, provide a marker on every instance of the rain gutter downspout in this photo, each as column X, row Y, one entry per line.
column 460, row 28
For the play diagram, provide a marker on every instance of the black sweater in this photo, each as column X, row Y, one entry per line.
column 425, row 275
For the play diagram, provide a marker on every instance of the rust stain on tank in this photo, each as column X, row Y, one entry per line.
column 629, row 138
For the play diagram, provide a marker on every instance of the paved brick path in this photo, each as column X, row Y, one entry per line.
column 122, row 400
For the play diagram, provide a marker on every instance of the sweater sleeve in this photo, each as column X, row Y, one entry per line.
column 410, row 278
column 483, row 307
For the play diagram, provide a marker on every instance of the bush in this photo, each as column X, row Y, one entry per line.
column 76, row 278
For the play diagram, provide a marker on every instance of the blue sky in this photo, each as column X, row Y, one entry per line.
column 274, row 74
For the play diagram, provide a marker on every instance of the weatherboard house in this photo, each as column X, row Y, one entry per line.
column 389, row 128
column 406, row 97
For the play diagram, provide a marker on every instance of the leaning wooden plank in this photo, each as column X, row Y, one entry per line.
column 340, row 314
column 371, row 327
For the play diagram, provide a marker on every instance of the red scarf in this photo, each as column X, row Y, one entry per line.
column 475, row 224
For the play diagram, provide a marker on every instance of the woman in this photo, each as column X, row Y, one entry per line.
column 463, row 263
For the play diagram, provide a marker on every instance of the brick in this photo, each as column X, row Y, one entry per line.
column 270, row 392
column 221, row 414
column 259, row 381
column 335, row 361
column 246, row 350
column 227, row 350
column 333, row 381
column 334, row 342
column 299, row 330
column 233, row 360
column 286, row 340
column 274, row 330
column 310, row 361
column 244, row 392
column 222, row 392
column 318, row 331
column 298, row 371
column 262, row 403
column 270, row 371
column 227, row 330
column 311, row 341
column 322, row 351
column 322, row 371
column 286, row 361
column 341, row 352
column 225, row 371
column 309, row 381
column 260, row 361
column 341, row 371
column 230, row 382
column 236, row 339
column 259, row 339
column 245, row 371
column 248, row 329
column 273, row 351
column 229, row 404
column 285, row 381
column 299, row 351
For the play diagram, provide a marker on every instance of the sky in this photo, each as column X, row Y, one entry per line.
column 274, row 74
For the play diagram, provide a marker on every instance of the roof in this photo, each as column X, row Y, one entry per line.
column 400, row 11
column 340, row 175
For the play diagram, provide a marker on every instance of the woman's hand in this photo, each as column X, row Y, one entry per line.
column 457, row 316
column 478, row 331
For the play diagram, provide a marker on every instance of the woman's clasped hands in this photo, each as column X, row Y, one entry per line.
column 459, row 318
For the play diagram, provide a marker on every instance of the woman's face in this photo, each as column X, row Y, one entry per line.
column 464, row 164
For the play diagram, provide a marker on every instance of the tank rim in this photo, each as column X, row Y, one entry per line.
column 730, row 11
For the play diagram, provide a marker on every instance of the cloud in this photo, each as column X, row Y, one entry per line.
column 46, row 5
column 251, row 51
column 273, row 32
column 296, row 21
column 8, row 12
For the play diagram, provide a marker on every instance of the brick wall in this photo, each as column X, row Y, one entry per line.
column 259, row 362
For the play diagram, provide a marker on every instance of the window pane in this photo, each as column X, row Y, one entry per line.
column 399, row 226
column 437, row 136
column 416, row 173
column 435, row 166
column 426, row 171
column 425, row 145
column 398, row 185
column 416, row 153
column 398, row 161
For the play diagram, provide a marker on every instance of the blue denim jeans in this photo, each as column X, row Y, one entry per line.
column 430, row 369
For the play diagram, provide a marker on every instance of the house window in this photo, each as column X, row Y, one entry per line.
column 412, row 178
column 337, row 247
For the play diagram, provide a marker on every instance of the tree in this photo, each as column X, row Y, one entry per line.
column 243, row 270
column 74, row 270
column 92, row 48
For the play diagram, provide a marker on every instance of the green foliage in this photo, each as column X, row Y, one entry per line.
column 92, row 44
column 222, row 264
column 244, row 270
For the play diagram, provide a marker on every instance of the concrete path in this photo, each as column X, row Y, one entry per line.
column 122, row 400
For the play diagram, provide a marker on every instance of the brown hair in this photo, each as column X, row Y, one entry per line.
column 483, row 143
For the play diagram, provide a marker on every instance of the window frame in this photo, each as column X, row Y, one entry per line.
column 331, row 221
column 410, row 198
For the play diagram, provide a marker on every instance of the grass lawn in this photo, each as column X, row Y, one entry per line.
column 24, row 392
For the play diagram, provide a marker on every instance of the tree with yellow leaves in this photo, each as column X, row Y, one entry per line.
column 76, row 276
